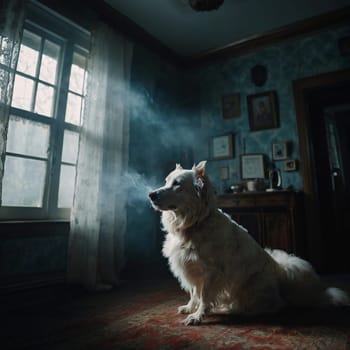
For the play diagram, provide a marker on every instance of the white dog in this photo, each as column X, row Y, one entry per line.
column 220, row 264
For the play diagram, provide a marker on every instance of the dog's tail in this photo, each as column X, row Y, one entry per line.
column 301, row 286
column 336, row 296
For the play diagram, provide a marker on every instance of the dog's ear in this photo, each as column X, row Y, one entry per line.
column 199, row 172
column 199, row 169
column 178, row 166
column 198, row 185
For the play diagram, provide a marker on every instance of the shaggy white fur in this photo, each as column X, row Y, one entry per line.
column 218, row 262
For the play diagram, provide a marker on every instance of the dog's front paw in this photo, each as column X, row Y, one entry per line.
column 185, row 309
column 193, row 319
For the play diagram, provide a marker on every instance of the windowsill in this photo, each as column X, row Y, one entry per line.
column 33, row 214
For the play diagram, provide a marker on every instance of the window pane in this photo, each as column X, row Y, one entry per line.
column 29, row 53
column 49, row 62
column 44, row 100
column 66, row 189
column 73, row 109
column 76, row 81
column 27, row 137
column 23, row 182
column 70, row 146
column 22, row 93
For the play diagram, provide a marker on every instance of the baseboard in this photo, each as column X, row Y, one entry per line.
column 19, row 283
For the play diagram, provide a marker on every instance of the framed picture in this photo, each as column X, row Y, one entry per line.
column 231, row 106
column 290, row 165
column 252, row 166
column 262, row 111
column 279, row 151
column 222, row 147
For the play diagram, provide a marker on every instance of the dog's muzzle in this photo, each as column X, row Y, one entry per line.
column 156, row 201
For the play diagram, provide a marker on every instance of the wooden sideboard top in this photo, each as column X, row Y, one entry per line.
column 280, row 198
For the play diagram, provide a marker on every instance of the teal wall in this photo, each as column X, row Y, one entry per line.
column 296, row 59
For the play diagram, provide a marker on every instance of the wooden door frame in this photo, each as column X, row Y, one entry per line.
column 307, row 165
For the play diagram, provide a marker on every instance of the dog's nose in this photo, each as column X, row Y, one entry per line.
column 153, row 195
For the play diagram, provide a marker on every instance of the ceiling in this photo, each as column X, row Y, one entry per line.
column 189, row 33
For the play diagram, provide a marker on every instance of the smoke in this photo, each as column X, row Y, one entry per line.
column 138, row 187
column 172, row 127
column 160, row 136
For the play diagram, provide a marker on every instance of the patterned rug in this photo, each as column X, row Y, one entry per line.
column 144, row 317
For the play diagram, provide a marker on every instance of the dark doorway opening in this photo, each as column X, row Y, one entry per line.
column 323, row 113
column 330, row 140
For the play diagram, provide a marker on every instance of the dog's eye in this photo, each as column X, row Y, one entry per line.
column 176, row 183
column 176, row 186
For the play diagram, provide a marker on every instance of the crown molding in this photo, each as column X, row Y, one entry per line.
column 260, row 41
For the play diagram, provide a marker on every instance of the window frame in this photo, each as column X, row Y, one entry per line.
column 72, row 38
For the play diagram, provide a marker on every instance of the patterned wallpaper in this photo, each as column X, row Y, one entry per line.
column 292, row 60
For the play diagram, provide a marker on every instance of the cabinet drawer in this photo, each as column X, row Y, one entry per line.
column 282, row 199
column 233, row 202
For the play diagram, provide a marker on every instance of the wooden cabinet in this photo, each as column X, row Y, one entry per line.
column 274, row 219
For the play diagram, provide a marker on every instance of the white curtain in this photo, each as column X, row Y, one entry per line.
column 98, row 220
column 11, row 23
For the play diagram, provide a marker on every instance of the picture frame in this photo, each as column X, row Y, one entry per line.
column 279, row 151
column 222, row 147
column 263, row 111
column 290, row 165
column 231, row 106
column 252, row 166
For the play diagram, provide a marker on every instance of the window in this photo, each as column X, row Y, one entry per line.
column 45, row 118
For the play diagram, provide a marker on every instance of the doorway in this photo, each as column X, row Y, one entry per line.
column 330, row 135
column 323, row 115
